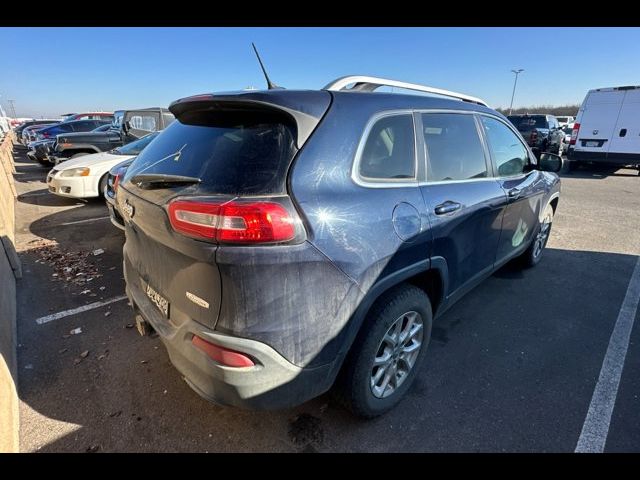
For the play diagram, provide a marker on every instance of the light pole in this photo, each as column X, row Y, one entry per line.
column 13, row 108
column 520, row 70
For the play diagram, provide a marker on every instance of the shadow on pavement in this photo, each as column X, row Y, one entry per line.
column 598, row 171
column 511, row 367
column 43, row 198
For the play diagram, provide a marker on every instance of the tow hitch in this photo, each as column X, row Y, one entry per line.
column 144, row 328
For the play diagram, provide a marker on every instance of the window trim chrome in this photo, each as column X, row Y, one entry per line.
column 369, row 182
column 421, row 174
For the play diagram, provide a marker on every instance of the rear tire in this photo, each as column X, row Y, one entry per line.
column 573, row 165
column 532, row 255
column 387, row 353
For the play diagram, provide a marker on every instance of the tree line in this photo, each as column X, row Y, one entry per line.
column 571, row 110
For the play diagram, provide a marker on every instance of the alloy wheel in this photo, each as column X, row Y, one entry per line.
column 543, row 234
column 396, row 354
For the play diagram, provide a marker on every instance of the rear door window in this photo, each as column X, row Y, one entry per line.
column 232, row 153
column 454, row 149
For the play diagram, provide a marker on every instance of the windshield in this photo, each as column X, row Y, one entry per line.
column 134, row 148
column 230, row 152
column 528, row 122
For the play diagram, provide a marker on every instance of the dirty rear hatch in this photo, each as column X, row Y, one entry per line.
column 236, row 145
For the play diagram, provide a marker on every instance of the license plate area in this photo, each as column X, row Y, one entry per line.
column 593, row 143
column 158, row 300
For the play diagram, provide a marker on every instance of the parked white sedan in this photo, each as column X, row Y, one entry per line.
column 86, row 176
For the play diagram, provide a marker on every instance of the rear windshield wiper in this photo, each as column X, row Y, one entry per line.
column 162, row 180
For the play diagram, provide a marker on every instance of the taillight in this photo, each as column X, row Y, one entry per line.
column 233, row 221
column 222, row 355
column 119, row 173
column 574, row 134
column 116, row 181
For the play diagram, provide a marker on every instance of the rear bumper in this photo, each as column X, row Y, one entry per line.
column 273, row 383
column 610, row 158
column 116, row 218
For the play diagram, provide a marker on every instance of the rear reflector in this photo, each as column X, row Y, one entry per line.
column 233, row 222
column 222, row 355
column 574, row 134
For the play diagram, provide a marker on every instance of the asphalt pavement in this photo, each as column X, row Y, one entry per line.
column 511, row 367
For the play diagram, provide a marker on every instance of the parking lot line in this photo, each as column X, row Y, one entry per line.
column 85, row 221
column 596, row 425
column 73, row 311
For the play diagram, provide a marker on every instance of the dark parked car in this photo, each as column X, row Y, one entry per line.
column 41, row 149
column 113, row 179
column 29, row 134
column 70, row 127
column 127, row 126
column 31, row 123
column 279, row 240
column 542, row 132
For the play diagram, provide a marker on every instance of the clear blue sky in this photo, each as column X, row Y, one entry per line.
column 51, row 71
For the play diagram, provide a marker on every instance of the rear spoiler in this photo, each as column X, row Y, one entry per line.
column 306, row 108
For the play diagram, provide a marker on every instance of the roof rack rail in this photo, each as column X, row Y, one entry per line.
column 363, row 83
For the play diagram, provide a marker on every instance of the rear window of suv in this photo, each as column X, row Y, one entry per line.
column 232, row 153
column 524, row 123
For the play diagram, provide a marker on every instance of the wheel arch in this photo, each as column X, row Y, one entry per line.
column 430, row 275
column 553, row 200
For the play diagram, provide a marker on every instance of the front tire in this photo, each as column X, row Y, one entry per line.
column 387, row 353
column 102, row 184
column 531, row 257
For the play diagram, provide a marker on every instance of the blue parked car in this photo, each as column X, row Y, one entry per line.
column 281, row 241
column 69, row 127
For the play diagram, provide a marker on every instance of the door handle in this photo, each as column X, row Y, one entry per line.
column 447, row 207
column 623, row 132
column 514, row 193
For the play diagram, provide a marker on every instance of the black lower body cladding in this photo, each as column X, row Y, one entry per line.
column 290, row 297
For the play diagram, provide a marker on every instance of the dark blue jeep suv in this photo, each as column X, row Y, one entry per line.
column 283, row 241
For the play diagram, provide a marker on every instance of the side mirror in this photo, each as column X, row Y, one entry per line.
column 550, row 162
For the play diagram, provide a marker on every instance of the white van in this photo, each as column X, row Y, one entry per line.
column 607, row 128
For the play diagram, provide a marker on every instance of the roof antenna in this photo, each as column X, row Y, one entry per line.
column 270, row 84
